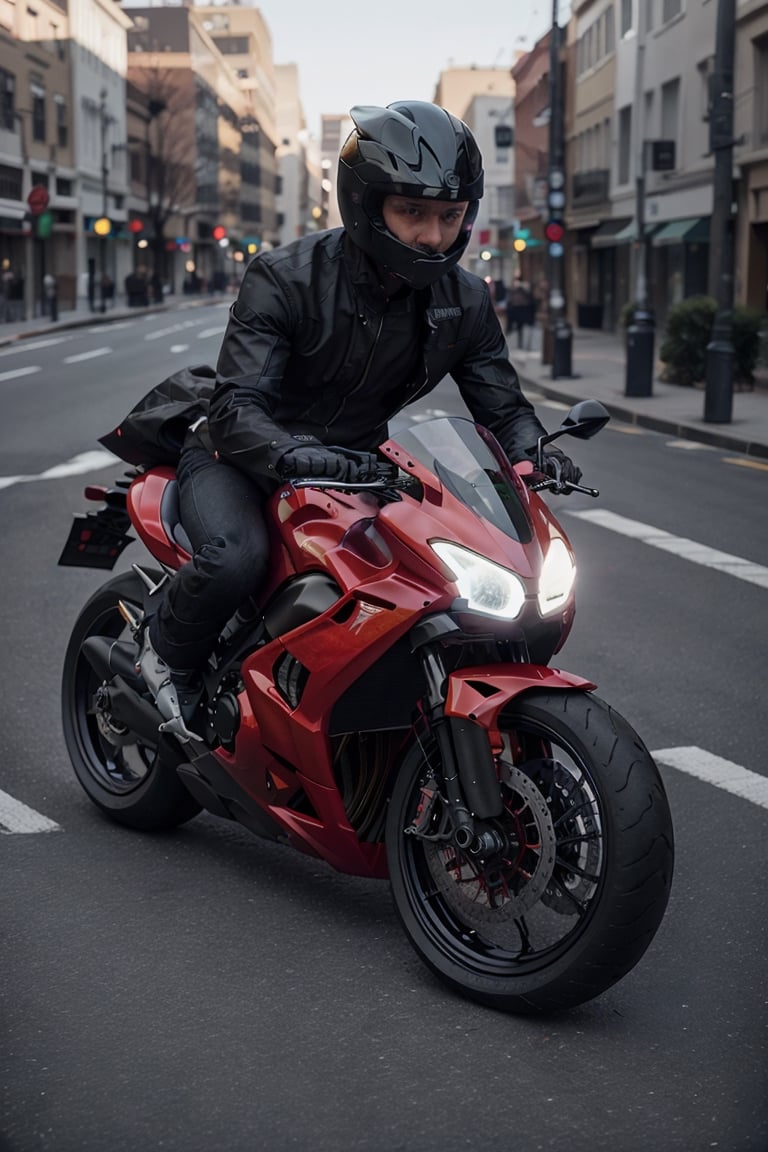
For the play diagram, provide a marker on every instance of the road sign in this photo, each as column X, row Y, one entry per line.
column 38, row 199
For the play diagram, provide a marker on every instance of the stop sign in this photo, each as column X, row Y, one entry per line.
column 38, row 199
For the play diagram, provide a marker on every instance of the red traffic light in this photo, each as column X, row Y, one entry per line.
column 219, row 232
column 554, row 231
column 135, row 226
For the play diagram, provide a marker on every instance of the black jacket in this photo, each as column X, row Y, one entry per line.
column 301, row 339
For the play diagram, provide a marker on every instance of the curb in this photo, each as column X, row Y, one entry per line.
column 713, row 439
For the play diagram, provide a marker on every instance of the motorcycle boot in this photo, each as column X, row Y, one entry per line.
column 176, row 693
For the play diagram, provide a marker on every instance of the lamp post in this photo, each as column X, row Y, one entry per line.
column 154, row 108
column 104, row 197
column 562, row 333
column 718, row 396
column 638, row 379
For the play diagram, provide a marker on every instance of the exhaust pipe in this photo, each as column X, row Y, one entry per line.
column 114, row 663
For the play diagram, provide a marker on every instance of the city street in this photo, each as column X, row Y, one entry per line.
column 207, row 989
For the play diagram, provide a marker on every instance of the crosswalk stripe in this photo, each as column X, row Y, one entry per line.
column 17, row 817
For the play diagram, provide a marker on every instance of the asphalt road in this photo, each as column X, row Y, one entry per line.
column 207, row 989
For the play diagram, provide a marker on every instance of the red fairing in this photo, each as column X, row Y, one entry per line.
column 144, row 499
column 467, row 700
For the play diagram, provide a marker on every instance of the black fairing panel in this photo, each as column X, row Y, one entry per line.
column 300, row 601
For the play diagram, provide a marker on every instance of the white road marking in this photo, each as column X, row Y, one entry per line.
column 715, row 770
column 169, row 331
column 178, row 347
column 678, row 545
column 17, row 817
column 33, row 345
column 691, row 446
column 87, row 355
column 16, row 372
column 84, row 462
column 206, row 332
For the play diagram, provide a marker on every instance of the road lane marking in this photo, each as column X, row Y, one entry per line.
column 169, row 331
column 32, row 346
column 87, row 355
column 84, row 462
column 678, row 545
column 690, row 446
column 16, row 372
column 206, row 332
column 17, row 817
column 715, row 770
column 178, row 348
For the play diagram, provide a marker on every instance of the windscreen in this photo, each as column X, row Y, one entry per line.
column 467, row 465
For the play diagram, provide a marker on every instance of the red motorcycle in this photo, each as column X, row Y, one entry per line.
column 388, row 705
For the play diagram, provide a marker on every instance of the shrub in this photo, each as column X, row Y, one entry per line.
column 689, row 331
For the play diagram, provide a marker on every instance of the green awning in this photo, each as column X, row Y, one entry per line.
column 694, row 230
column 628, row 235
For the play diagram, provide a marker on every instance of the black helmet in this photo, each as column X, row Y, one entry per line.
column 410, row 148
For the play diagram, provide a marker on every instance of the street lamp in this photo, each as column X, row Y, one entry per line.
column 562, row 333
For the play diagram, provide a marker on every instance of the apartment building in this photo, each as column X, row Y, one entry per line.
column 751, row 155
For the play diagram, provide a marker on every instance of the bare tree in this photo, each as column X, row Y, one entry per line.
column 169, row 153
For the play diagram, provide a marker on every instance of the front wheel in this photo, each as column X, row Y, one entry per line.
column 132, row 781
column 573, row 899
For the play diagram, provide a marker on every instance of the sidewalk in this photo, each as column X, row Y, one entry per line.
column 598, row 365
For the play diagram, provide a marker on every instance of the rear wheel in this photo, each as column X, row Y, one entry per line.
column 574, row 898
column 134, row 782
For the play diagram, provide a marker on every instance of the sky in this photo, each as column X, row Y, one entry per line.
column 375, row 53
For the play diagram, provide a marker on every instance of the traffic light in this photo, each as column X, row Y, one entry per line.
column 554, row 231
column 219, row 232
column 520, row 242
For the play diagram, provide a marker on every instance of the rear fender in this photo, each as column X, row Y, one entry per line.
column 480, row 694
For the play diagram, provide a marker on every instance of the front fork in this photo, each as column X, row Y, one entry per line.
column 470, row 778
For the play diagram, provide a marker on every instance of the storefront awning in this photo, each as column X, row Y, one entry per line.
column 606, row 234
column 691, row 231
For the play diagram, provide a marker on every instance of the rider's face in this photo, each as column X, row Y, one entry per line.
column 430, row 225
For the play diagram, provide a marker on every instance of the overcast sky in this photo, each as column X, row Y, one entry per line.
column 373, row 53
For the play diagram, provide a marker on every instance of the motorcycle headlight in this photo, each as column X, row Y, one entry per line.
column 485, row 586
column 557, row 576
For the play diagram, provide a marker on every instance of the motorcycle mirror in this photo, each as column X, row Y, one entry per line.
column 585, row 419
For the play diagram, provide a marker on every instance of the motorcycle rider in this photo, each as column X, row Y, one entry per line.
column 330, row 336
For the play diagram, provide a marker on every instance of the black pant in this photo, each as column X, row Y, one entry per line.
column 222, row 512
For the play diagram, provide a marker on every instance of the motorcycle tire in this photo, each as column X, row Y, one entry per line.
column 579, row 891
column 133, row 782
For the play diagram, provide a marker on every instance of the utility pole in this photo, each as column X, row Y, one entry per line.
column 562, row 333
column 104, row 195
column 718, row 396
column 638, row 379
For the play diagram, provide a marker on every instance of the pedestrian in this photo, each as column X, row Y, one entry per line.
column 329, row 337
column 520, row 310
column 107, row 291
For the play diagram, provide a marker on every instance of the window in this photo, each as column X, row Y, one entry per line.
column 7, row 100
column 625, row 143
column 670, row 110
column 64, row 187
column 62, row 125
column 670, row 9
column 610, row 30
column 38, row 111
column 626, row 17
column 761, row 92
column 10, row 182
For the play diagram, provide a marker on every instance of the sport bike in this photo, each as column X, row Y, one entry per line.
column 389, row 704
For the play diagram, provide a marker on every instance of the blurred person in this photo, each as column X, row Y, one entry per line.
column 329, row 337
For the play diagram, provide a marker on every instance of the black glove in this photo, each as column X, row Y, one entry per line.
column 559, row 466
column 309, row 460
